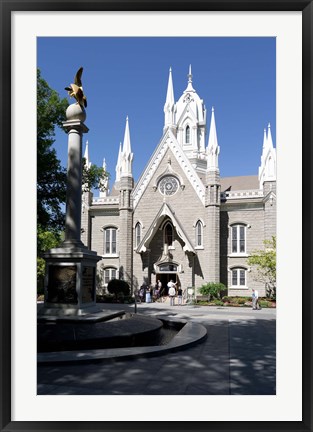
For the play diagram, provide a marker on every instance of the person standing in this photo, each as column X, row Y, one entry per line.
column 179, row 295
column 142, row 292
column 148, row 295
column 171, row 292
column 255, row 299
column 161, row 290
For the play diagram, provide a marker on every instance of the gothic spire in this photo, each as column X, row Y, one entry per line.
column 104, row 181
column 119, row 164
column 127, row 155
column 170, row 91
column 267, row 169
column 213, row 147
column 86, row 156
column 264, row 139
column 189, row 86
column 269, row 136
column 169, row 106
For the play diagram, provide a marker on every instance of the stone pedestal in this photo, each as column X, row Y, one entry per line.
column 70, row 281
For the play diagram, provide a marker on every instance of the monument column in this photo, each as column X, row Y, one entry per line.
column 70, row 281
column 75, row 128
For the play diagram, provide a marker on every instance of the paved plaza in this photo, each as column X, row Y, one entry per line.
column 238, row 357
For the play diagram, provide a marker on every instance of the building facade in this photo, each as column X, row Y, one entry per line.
column 182, row 220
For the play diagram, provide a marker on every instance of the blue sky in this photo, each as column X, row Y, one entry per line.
column 128, row 77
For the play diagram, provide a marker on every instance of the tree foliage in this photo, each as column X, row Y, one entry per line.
column 264, row 264
column 93, row 177
column 51, row 176
column 45, row 240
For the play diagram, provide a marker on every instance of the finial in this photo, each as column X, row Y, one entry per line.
column 212, row 109
column 190, row 75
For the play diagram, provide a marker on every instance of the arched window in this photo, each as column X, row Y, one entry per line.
column 110, row 241
column 109, row 274
column 238, row 277
column 168, row 234
column 238, row 239
column 187, row 135
column 199, row 234
column 138, row 233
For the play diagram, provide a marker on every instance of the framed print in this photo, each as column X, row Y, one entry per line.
column 27, row 29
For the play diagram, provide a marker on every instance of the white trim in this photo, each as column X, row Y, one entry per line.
column 104, row 269
column 104, row 227
column 235, row 287
column 196, row 220
column 238, row 267
column 156, row 225
column 138, row 223
column 235, row 266
column 238, row 225
column 112, row 229
column 201, row 245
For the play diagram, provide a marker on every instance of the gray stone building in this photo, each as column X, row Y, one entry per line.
column 182, row 220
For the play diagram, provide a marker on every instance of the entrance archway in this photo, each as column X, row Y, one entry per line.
column 165, row 278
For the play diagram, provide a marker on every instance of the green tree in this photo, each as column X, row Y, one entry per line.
column 51, row 176
column 93, row 177
column 45, row 240
column 264, row 266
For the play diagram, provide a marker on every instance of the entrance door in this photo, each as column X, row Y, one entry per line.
column 165, row 278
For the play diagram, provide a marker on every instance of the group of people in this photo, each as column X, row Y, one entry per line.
column 152, row 293
column 148, row 293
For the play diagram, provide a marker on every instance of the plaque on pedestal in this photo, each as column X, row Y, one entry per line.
column 88, row 284
column 62, row 284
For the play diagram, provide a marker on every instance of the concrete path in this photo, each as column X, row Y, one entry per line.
column 238, row 357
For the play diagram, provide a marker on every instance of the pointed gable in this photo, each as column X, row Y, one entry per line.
column 168, row 141
column 164, row 212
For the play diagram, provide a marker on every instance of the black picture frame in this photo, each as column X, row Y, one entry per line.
column 7, row 7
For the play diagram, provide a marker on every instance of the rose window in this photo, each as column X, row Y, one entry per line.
column 168, row 185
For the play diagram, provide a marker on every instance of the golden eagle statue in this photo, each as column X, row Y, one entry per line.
column 76, row 90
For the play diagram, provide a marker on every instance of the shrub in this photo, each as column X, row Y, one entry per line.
column 212, row 289
column 263, row 304
column 218, row 303
column 119, row 288
column 105, row 298
column 241, row 301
